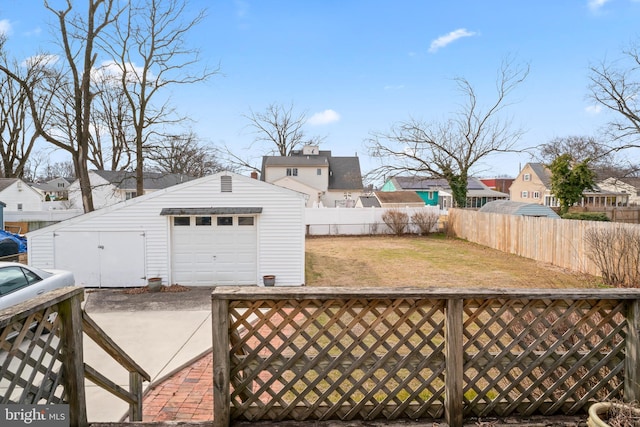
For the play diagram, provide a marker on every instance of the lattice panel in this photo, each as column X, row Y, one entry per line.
column 543, row 356
column 336, row 359
column 30, row 360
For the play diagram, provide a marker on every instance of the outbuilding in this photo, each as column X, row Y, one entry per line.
column 510, row 207
column 222, row 229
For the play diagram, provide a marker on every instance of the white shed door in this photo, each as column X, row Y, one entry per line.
column 105, row 259
column 212, row 251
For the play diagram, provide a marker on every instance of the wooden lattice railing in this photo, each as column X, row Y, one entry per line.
column 41, row 356
column 335, row 353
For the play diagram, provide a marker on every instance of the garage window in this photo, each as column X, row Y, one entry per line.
column 245, row 220
column 225, row 220
column 203, row 220
column 181, row 221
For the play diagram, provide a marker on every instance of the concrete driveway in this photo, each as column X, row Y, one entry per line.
column 161, row 331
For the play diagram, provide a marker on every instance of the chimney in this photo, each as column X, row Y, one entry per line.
column 254, row 174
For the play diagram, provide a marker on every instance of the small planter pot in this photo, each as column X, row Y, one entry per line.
column 269, row 280
column 154, row 284
column 599, row 413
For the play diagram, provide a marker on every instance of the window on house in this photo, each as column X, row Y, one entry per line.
column 536, row 194
column 130, row 195
column 225, row 220
column 203, row 220
column 525, row 194
column 225, row 184
column 526, row 177
column 245, row 220
column 180, row 221
column 318, row 171
column 292, row 171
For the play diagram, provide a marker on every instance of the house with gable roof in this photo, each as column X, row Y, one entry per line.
column 630, row 186
column 19, row 196
column 327, row 180
column 437, row 192
column 533, row 185
column 111, row 187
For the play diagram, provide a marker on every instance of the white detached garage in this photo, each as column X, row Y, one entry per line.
column 223, row 229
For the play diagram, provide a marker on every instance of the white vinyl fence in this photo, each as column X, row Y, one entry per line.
column 356, row 221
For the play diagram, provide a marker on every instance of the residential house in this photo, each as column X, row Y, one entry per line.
column 533, row 185
column 19, row 196
column 222, row 229
column 111, row 187
column 327, row 180
column 630, row 186
column 437, row 192
column 54, row 189
column 499, row 184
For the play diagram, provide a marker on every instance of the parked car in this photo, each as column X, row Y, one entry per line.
column 19, row 282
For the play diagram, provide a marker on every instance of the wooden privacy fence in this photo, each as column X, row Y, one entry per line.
column 559, row 242
column 376, row 353
column 41, row 356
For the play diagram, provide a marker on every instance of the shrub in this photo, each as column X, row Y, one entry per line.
column 425, row 221
column 396, row 220
column 587, row 216
column 616, row 253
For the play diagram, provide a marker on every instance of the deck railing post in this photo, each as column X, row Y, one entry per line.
column 453, row 400
column 135, row 387
column 70, row 314
column 632, row 351
column 221, row 363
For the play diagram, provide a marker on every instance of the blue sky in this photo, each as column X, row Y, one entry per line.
column 358, row 66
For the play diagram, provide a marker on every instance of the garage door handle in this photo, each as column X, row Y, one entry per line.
column 214, row 257
column 100, row 247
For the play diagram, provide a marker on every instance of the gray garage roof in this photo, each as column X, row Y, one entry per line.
column 211, row 211
column 510, row 207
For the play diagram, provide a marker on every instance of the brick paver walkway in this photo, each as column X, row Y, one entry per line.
column 187, row 395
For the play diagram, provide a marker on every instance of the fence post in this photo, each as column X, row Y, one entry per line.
column 454, row 373
column 73, row 359
column 221, row 368
column 632, row 350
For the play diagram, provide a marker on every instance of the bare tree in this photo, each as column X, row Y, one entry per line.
column 110, row 146
column 17, row 134
column 71, row 88
column 280, row 128
column 151, row 54
column 601, row 159
column 615, row 85
column 184, row 154
column 451, row 148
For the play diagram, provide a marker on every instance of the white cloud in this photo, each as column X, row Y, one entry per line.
column 109, row 70
column 595, row 5
column 242, row 8
column 43, row 60
column 5, row 27
column 443, row 41
column 593, row 109
column 394, row 87
column 324, row 117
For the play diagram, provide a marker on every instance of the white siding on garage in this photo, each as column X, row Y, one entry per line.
column 280, row 225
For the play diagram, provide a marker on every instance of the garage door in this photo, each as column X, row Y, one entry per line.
column 214, row 250
column 102, row 258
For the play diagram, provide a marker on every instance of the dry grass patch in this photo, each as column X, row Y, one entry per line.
column 427, row 262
